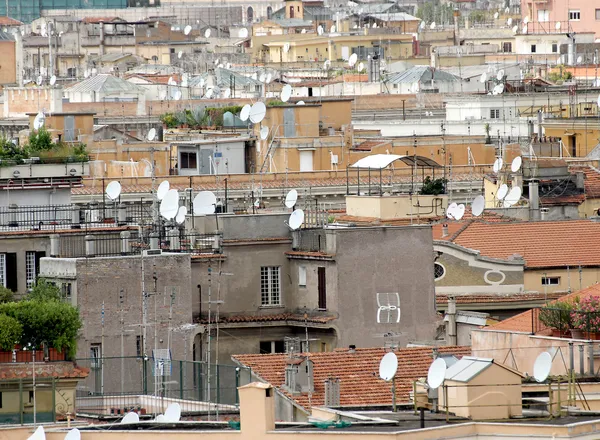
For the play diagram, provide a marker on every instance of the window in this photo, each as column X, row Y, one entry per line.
column 533, row 48
column 270, row 286
column 95, row 355
column 550, row 281
column 139, row 345
column 65, row 289
column 32, row 267
column 438, row 271
column 597, row 14
column 31, row 397
column 507, row 47
column 8, row 271
column 322, row 288
column 271, row 347
column 188, row 160
column 291, row 12
column 554, row 47
column 543, row 15
column 574, row 15
column 302, row 276
column 495, row 113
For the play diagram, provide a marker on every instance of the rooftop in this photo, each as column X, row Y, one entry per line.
column 106, row 84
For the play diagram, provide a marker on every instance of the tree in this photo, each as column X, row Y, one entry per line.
column 433, row 187
column 6, row 295
column 10, row 332
column 44, row 291
column 40, row 140
column 11, row 152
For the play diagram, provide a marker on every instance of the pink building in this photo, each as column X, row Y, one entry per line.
column 573, row 15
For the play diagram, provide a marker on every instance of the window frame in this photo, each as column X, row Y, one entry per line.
column 495, row 113
column 302, row 276
column 550, row 281
column 436, row 263
column 270, row 286
column 574, row 13
column 185, row 163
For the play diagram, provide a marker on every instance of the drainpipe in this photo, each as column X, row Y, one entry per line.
column 456, row 14
column 534, row 200
column 451, row 325
column 101, row 45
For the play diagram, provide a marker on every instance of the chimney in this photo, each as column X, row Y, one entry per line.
column 580, row 180
column 332, row 392
column 534, row 200
column 257, row 409
column 451, row 321
column 445, row 230
column 352, row 348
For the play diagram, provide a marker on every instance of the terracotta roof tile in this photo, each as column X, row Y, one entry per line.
column 497, row 298
column 360, row 384
column 100, row 19
column 320, row 319
column 541, row 244
column 54, row 369
column 309, row 254
column 8, row 21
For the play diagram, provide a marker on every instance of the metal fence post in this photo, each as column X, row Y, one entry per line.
column 53, row 400
column 237, row 384
column 591, row 357
column 181, row 380
column 218, row 385
column 581, row 361
column 145, row 375
column 21, row 400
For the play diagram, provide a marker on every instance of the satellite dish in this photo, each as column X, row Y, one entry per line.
column 477, row 206
column 291, row 198
column 39, row 121
column 39, row 80
column 497, row 165
column 542, row 366
column 53, row 80
column 227, row 93
column 258, row 112
column 361, row 67
column 320, row 30
column 500, row 75
column 162, row 190
column 459, row 212
column 296, row 219
column 209, row 93
column 181, row 213
column 286, row 47
column 243, row 33
column 171, row 81
column 94, row 71
column 509, row 21
column 436, row 373
column 450, row 210
column 187, row 29
column 303, row 31
column 557, row 26
column 254, row 76
column 332, row 29
column 326, row 64
column 245, row 113
column 204, row 203
column 598, row 101
column 86, row 73
column 73, row 434
column 264, row 132
column 579, row 59
column 502, row 191
column 300, row 103
column 388, row 366
column 483, row 77
column 130, row 417
column 207, row 33
column 525, row 28
column 262, row 77
column 513, row 196
column 269, row 78
column 515, row 29
column 286, row 93
column 516, row 164
column 352, row 60
column 496, row 15
column 160, row 418
column 179, row 54
column 432, row 25
column 151, row 134
column 507, row 10
column 499, row 89
column 176, row 95
column 113, row 190
column 422, row 25
column 38, row 434
column 526, row 20
column 169, row 206
column 173, row 413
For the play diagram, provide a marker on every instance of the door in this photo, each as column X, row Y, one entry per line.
column 289, row 122
column 69, row 128
column 306, row 160
column 205, row 166
column 573, row 145
column 322, row 287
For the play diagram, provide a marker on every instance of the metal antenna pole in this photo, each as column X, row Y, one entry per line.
column 209, row 328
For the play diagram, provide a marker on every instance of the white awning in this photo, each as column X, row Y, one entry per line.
column 380, row 161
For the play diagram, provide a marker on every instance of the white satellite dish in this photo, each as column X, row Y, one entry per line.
column 245, row 113
column 187, row 29
column 436, row 373
column 179, row 54
column 207, row 33
column 332, row 29
column 176, row 95
column 477, row 206
column 483, row 77
column 73, row 434
column 286, row 93
column 500, row 75
column 38, row 434
column 598, row 101
column 173, row 413
column 254, row 76
column 515, row 29
column 258, row 112
column 502, row 191
column 496, row 15
column 264, row 133
column 374, row 25
column 320, row 30
column 86, row 73
column 352, row 60
column 162, row 190
column 160, row 418
column 169, row 206
column 361, row 67
column 44, row 30
column 151, row 134
column 130, row 417
column 53, row 80
column 39, row 121
column 500, row 89
column 243, row 33
column 388, row 366
column 300, row 103
column 204, row 203
column 39, row 80
column 432, row 25
column 450, row 210
column 113, row 190
column 171, row 81
column 509, row 21
column 262, row 77
column 181, row 213
column 326, row 64
column 291, row 198
column 227, row 93
column 286, row 47
column 525, row 28
column 422, row 25
column 516, row 164
column 507, row 10
column 269, row 78
column 94, row 71
column 498, row 163
column 526, row 20
column 557, row 25
column 579, row 59
column 542, row 366
column 459, row 212
column 209, row 93
column 513, row 196
column 296, row 219
column 303, row 31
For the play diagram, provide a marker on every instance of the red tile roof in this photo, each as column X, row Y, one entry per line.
column 62, row 370
column 574, row 199
column 296, row 317
column 591, row 183
column 358, row 372
column 497, row 298
column 96, row 20
column 8, row 21
column 541, row 244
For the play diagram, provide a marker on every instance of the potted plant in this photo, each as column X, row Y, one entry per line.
column 557, row 316
column 586, row 317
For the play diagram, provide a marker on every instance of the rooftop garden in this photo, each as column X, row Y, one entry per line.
column 578, row 318
column 201, row 117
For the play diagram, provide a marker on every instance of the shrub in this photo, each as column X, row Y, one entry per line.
column 433, row 187
column 586, row 316
column 10, row 332
column 6, row 295
column 44, row 291
column 558, row 315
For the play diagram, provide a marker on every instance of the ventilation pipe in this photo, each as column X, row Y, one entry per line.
column 445, row 230
column 456, row 14
column 534, row 200
column 451, row 323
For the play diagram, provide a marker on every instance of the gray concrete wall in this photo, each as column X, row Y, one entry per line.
column 36, row 197
column 254, row 226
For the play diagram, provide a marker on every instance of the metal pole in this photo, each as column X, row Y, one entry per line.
column 34, row 401
column 581, row 361
column 394, row 393
column 591, row 357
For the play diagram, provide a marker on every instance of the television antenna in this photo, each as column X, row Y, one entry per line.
column 204, row 203
column 113, row 190
column 291, row 198
column 296, row 219
column 162, row 190
column 388, row 366
column 169, row 205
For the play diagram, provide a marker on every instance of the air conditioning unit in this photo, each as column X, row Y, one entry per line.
column 151, row 252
